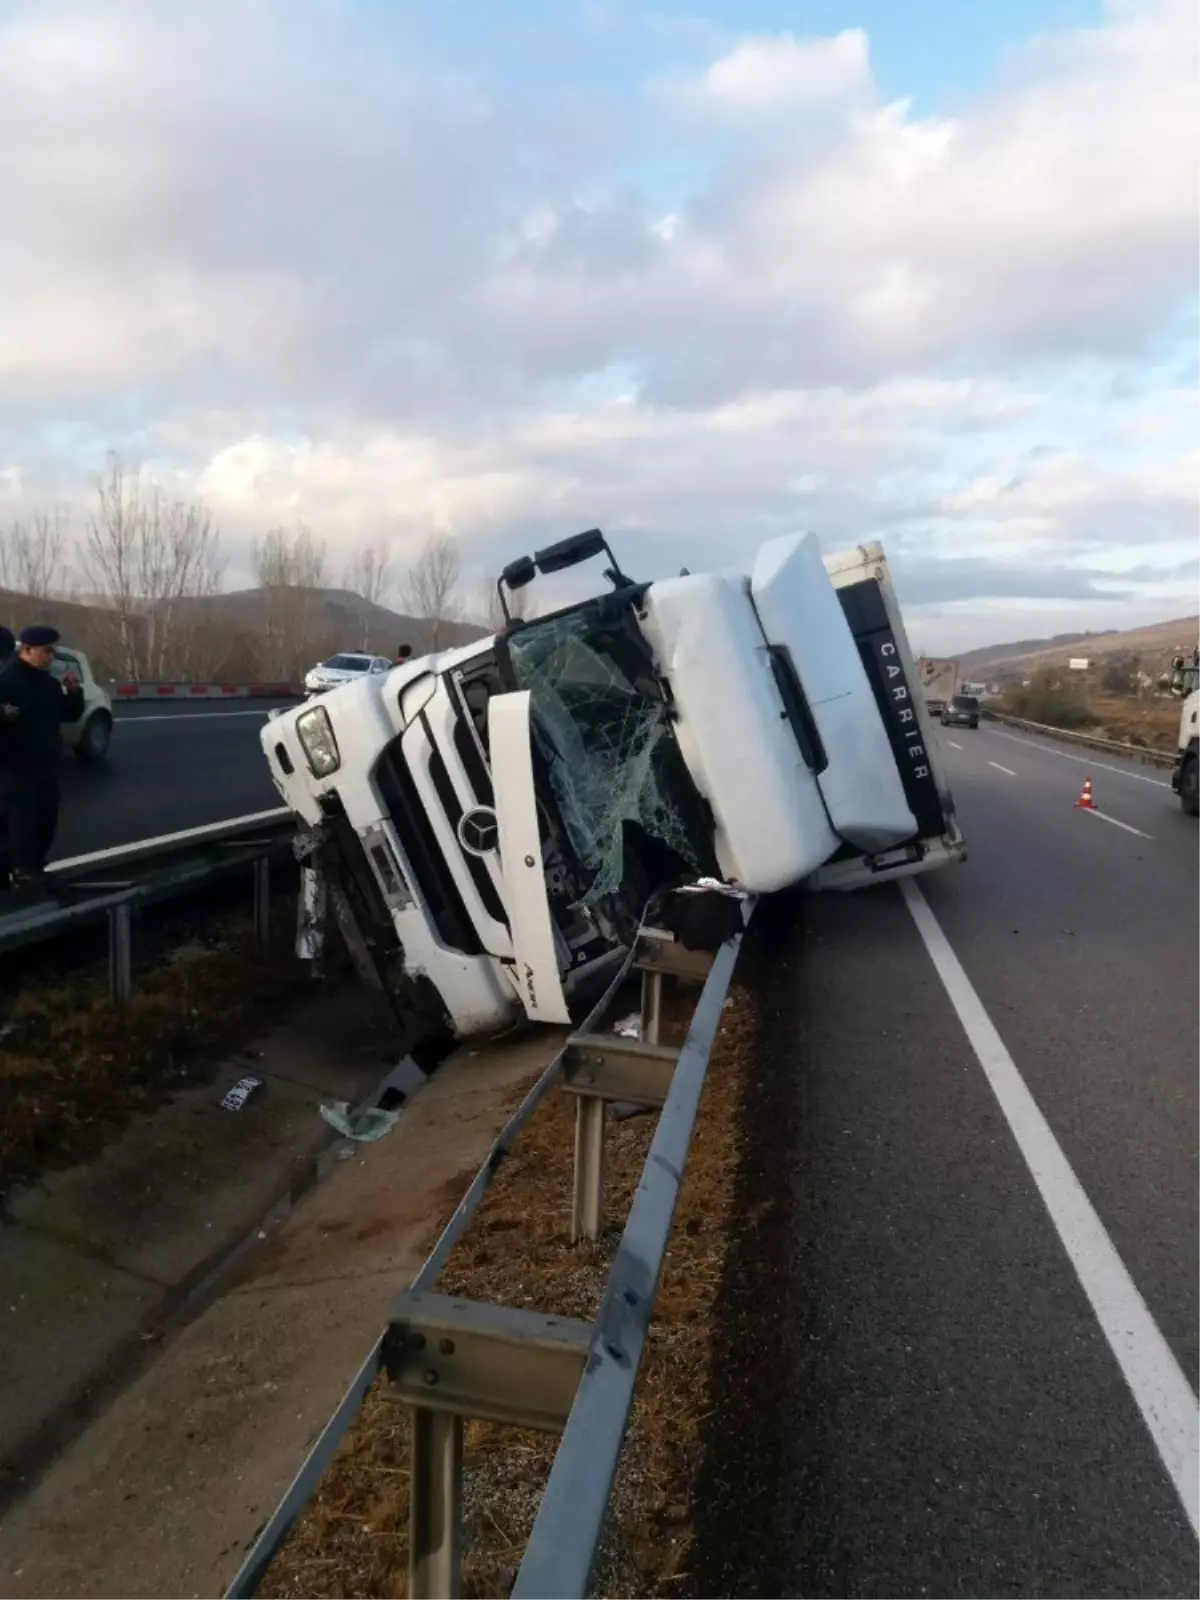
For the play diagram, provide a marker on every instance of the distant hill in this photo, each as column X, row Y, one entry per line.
column 337, row 619
column 245, row 636
column 87, row 627
column 1155, row 644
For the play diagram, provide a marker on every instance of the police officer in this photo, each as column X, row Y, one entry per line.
column 33, row 707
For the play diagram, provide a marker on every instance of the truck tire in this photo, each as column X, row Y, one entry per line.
column 1189, row 786
column 95, row 739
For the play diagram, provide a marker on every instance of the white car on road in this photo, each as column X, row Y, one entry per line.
column 344, row 668
column 91, row 736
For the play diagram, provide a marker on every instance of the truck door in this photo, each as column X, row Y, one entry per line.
column 535, row 946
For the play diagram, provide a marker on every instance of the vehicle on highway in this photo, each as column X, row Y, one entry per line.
column 91, row 736
column 1185, row 774
column 961, row 712
column 939, row 682
column 490, row 821
column 343, row 668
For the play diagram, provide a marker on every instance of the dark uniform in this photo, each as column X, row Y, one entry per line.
column 33, row 708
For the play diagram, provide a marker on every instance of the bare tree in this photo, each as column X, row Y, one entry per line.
column 289, row 565
column 33, row 556
column 369, row 574
column 144, row 553
column 427, row 589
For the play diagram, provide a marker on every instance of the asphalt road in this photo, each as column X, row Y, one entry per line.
column 170, row 767
column 927, row 1400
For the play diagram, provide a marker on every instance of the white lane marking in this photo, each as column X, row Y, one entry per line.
column 1100, row 766
column 186, row 716
column 1116, row 822
column 1162, row 1393
column 952, row 745
column 999, row 768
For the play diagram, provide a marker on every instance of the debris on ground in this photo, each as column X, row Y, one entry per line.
column 235, row 1098
column 364, row 1124
column 75, row 1068
column 352, row 1539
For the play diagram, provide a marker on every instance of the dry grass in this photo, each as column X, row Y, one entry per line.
column 353, row 1538
column 74, row 1068
column 1150, row 722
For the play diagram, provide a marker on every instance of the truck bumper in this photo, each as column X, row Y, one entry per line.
column 861, row 873
column 1177, row 770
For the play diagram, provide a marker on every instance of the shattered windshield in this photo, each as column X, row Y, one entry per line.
column 607, row 743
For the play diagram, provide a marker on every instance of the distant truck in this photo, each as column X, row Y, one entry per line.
column 938, row 680
column 489, row 823
column 1185, row 775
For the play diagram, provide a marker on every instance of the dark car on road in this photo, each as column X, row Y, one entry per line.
column 961, row 712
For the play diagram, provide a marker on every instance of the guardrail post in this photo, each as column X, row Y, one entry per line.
column 435, row 1505
column 587, row 1199
column 120, row 954
column 651, row 1006
column 262, row 901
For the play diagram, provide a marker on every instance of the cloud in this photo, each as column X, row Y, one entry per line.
column 926, row 582
column 765, row 78
column 310, row 273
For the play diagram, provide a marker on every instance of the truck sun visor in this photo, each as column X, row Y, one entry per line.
column 607, row 745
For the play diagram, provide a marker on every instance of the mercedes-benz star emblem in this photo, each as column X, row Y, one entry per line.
column 478, row 831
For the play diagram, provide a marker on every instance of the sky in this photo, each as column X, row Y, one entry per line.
column 699, row 274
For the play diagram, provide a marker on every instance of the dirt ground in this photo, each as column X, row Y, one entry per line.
column 353, row 1538
column 74, row 1069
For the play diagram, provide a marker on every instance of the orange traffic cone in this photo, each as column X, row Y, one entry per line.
column 1085, row 802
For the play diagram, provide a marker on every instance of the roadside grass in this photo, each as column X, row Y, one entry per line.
column 353, row 1538
column 74, row 1068
column 1152, row 723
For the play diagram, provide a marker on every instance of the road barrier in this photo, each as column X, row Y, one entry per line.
column 206, row 691
column 1139, row 752
column 452, row 1360
column 111, row 884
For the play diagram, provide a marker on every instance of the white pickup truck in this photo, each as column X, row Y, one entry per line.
column 490, row 821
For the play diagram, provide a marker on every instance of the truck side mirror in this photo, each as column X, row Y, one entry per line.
column 570, row 552
column 518, row 573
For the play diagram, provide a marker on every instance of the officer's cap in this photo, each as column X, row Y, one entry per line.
column 39, row 633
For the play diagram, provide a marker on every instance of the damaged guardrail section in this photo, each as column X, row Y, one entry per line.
column 453, row 1360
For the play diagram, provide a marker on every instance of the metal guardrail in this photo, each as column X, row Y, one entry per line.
column 110, row 884
column 1139, row 752
column 453, row 1360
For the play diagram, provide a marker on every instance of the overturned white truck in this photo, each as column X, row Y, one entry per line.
column 489, row 822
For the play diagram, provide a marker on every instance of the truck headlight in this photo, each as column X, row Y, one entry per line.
column 315, row 732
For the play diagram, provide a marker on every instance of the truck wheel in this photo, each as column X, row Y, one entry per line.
column 95, row 739
column 1189, row 787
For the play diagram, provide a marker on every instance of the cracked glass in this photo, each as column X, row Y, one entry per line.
column 607, row 743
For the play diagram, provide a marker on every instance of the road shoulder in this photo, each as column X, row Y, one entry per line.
column 165, row 1489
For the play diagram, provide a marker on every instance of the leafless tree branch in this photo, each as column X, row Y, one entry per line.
column 427, row 589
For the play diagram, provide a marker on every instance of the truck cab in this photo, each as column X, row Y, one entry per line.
column 492, row 821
